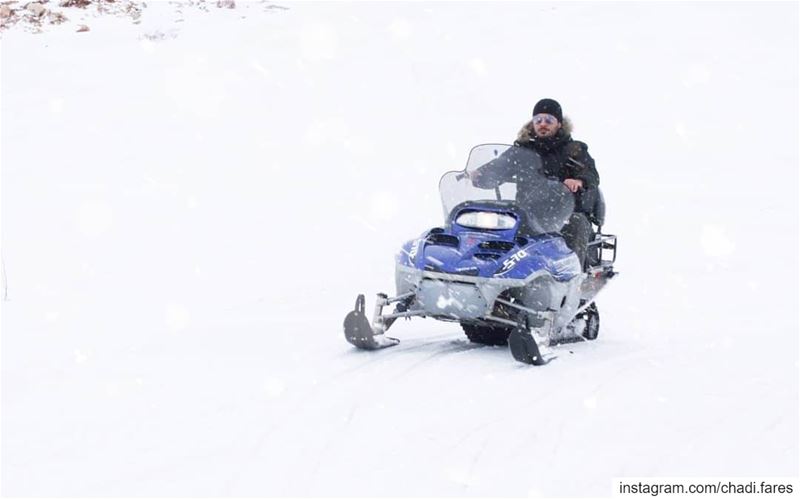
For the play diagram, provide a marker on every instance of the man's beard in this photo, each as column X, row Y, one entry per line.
column 548, row 143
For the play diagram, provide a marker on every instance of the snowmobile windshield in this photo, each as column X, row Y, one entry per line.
column 501, row 172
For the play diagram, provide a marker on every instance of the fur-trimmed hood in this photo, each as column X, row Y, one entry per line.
column 526, row 132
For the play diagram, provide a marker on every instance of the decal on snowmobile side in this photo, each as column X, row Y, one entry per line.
column 414, row 248
column 513, row 260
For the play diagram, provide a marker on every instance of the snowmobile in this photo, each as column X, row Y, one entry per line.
column 499, row 265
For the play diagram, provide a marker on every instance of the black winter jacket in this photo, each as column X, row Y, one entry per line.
column 563, row 158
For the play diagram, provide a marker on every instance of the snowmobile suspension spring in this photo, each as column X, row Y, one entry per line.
column 530, row 311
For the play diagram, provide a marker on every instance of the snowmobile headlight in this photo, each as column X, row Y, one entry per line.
column 486, row 220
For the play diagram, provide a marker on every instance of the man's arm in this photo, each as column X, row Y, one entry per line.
column 485, row 177
column 494, row 173
column 580, row 165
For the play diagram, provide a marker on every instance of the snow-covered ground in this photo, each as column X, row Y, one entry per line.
column 191, row 204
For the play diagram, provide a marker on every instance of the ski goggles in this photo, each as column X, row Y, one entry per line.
column 544, row 118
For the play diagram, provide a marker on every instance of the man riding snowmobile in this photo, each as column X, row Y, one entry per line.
column 549, row 134
column 498, row 265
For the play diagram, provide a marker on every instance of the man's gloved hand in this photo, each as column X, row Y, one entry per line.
column 573, row 184
column 472, row 175
column 575, row 151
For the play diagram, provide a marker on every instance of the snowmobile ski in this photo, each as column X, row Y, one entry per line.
column 525, row 348
column 359, row 332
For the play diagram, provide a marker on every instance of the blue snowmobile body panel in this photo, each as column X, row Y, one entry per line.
column 490, row 253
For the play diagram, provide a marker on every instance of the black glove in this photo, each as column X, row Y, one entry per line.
column 574, row 163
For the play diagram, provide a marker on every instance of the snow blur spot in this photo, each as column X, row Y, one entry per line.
column 274, row 387
column 261, row 69
column 696, row 75
column 420, row 167
column 451, row 150
column 112, row 389
column 191, row 202
column 662, row 400
column 56, row 105
column 400, row 29
column 176, row 317
column 319, row 41
column 716, row 243
column 51, row 316
column 383, row 206
column 444, row 302
column 358, row 145
column 478, row 66
column 80, row 356
column 681, row 131
column 326, row 132
column 590, row 403
column 364, row 223
column 457, row 475
column 195, row 87
column 94, row 218
column 266, row 144
column 147, row 45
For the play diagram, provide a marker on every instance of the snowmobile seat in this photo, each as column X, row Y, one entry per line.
column 598, row 215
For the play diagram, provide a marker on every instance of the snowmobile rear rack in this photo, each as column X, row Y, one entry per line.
column 604, row 242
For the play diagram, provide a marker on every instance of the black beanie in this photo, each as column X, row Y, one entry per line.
column 549, row 106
